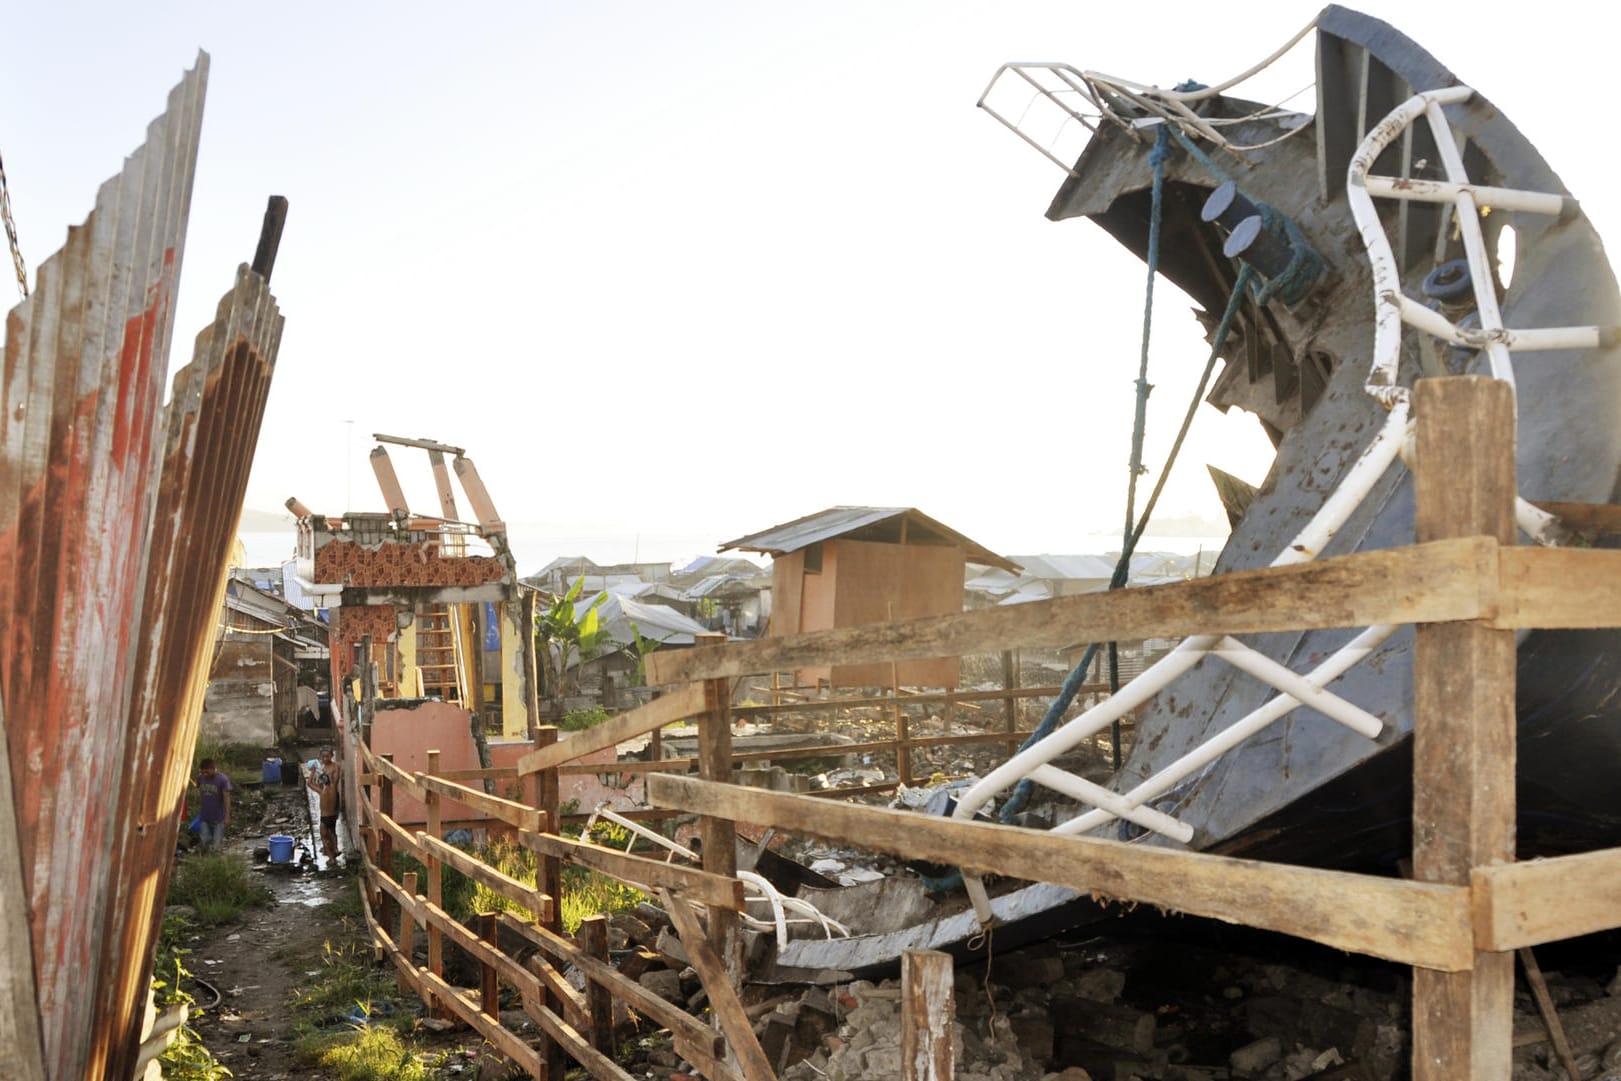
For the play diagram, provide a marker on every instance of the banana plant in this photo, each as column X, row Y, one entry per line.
column 563, row 631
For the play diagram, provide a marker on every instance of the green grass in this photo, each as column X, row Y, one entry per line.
column 218, row 886
column 590, row 893
column 347, row 1052
column 347, row 979
column 375, row 1053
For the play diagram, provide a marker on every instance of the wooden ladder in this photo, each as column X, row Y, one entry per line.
column 436, row 654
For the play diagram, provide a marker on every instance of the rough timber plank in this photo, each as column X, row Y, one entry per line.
column 1527, row 904
column 686, row 702
column 1410, row 922
column 1424, row 583
column 1463, row 723
column 728, row 1008
column 1559, row 587
column 513, row 814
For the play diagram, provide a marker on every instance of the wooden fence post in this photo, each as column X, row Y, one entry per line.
column 928, row 1012
column 408, row 931
column 549, row 879
column 489, row 985
column 719, row 835
column 1463, row 722
column 436, row 959
column 1010, row 704
column 385, row 845
column 598, row 998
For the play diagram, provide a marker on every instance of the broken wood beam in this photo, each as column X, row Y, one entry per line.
column 1409, row 922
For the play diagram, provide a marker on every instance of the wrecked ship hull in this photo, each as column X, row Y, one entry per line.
column 1308, row 789
column 1569, row 447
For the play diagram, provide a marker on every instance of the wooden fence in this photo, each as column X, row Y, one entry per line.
column 1466, row 587
column 1458, row 922
column 575, row 1025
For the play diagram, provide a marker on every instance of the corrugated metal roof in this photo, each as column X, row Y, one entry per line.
column 655, row 621
column 843, row 521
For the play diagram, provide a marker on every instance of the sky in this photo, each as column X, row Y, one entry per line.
column 673, row 273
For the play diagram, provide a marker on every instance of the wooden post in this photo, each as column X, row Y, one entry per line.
column 1463, row 722
column 489, row 984
column 719, row 834
column 599, row 1000
column 436, row 871
column 549, row 878
column 927, row 1015
column 407, row 941
column 531, row 665
column 385, row 846
column 1010, row 704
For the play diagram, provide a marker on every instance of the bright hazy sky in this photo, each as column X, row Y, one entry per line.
column 673, row 273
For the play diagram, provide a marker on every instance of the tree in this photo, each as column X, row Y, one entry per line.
column 564, row 632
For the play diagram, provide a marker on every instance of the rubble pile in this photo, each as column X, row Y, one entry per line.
column 1165, row 1009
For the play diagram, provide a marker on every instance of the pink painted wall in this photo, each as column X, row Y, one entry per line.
column 409, row 734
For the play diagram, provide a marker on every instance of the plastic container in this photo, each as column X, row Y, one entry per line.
column 272, row 771
column 281, row 848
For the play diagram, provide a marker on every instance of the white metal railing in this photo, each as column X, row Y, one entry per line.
column 1394, row 438
column 1065, row 87
column 757, row 890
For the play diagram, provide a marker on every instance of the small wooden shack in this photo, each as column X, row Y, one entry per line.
column 847, row 566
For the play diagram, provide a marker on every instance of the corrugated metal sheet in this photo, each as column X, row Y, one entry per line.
column 115, row 520
column 841, row 521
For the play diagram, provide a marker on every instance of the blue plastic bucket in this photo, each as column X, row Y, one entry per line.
column 272, row 771
column 281, row 848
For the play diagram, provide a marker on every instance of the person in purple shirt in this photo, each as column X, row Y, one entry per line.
column 215, row 813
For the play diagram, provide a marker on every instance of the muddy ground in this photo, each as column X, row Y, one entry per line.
column 248, row 972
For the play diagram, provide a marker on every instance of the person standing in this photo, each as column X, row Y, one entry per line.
column 215, row 804
column 323, row 779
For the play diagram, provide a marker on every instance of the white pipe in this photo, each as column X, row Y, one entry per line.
column 751, row 879
column 1094, row 720
column 1474, row 244
column 1351, row 491
column 1267, row 670
column 1382, row 381
column 1446, row 191
column 1336, row 665
column 1084, row 791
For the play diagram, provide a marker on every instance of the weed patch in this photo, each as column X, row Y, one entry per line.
column 365, row 1054
column 186, row 1059
column 218, row 887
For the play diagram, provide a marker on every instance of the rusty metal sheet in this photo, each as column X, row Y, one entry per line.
column 103, row 612
column 213, row 426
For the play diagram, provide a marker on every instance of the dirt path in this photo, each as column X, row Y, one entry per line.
column 256, row 964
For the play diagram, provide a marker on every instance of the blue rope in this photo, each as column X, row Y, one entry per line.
column 1060, row 704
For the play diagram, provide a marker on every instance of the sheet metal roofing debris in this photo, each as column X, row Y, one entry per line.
column 117, row 516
